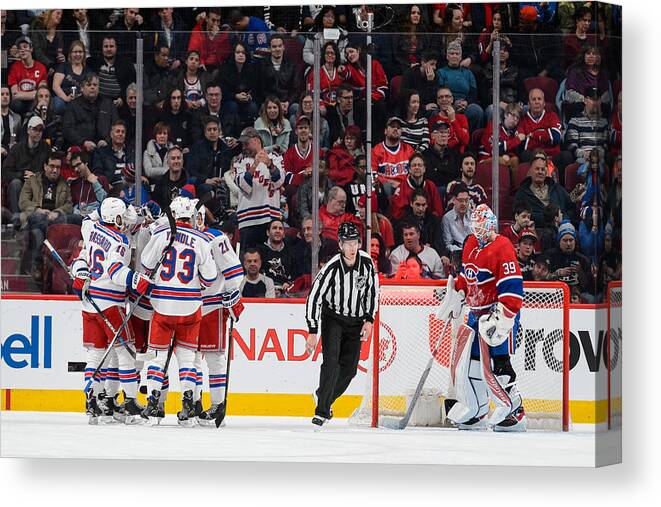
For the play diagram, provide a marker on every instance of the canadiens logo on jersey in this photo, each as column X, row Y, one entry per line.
column 470, row 272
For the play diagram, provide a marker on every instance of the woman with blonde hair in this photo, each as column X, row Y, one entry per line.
column 273, row 127
column 69, row 77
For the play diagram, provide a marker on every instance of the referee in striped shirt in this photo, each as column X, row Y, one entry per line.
column 344, row 296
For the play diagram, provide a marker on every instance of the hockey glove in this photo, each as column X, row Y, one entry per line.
column 236, row 311
column 453, row 302
column 139, row 283
column 495, row 328
column 81, row 283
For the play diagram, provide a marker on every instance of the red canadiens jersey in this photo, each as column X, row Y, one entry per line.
column 491, row 274
column 391, row 164
column 26, row 79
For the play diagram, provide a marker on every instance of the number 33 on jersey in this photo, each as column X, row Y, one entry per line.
column 187, row 268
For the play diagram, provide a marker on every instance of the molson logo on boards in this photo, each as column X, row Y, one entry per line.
column 20, row 351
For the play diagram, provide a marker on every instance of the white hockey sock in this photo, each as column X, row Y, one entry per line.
column 155, row 371
column 128, row 377
column 93, row 360
column 198, row 376
column 165, row 390
column 186, row 361
column 111, row 374
column 217, row 376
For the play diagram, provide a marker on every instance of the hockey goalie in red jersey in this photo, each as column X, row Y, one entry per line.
column 491, row 285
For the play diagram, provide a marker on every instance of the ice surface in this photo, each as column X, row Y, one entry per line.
column 67, row 435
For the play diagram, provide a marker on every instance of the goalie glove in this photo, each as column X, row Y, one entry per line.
column 453, row 302
column 495, row 328
column 81, row 283
column 139, row 283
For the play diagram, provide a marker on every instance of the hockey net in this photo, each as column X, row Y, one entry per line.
column 408, row 332
column 614, row 353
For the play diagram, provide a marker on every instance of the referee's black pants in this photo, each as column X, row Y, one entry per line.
column 340, row 343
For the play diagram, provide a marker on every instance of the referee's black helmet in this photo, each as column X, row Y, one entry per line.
column 347, row 231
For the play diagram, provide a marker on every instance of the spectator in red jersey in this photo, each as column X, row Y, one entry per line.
column 524, row 253
column 342, row 156
column 390, row 158
column 329, row 74
column 616, row 127
column 332, row 214
column 543, row 130
column 24, row 77
column 509, row 140
column 538, row 190
column 459, row 135
column 212, row 44
column 475, row 190
column 415, row 180
column 380, row 223
column 298, row 157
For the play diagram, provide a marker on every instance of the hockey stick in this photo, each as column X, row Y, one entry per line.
column 173, row 233
column 222, row 410
column 400, row 424
column 91, row 301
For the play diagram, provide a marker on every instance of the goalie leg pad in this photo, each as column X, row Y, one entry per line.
column 506, row 377
column 497, row 392
column 217, row 376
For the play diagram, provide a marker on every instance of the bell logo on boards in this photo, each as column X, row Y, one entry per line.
column 20, row 351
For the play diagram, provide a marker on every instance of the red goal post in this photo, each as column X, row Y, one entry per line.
column 406, row 333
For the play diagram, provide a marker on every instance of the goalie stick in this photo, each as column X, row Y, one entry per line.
column 222, row 410
column 400, row 424
column 173, row 233
column 91, row 301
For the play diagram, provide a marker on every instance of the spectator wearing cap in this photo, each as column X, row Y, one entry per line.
column 525, row 251
column 422, row 77
column 260, row 178
column 24, row 76
column 509, row 140
column 115, row 71
column 174, row 181
column 415, row 127
column 212, row 43
column 116, row 160
column 87, row 189
column 346, row 113
column 25, row 159
column 539, row 190
column 443, row 163
column 238, row 78
column 229, row 121
column 279, row 76
column 459, row 133
column 475, row 190
column 461, row 82
column 432, row 265
column 570, row 266
column 418, row 212
column 299, row 156
column 89, row 117
column 380, row 223
column 273, row 127
column 255, row 36
column 45, row 199
column 587, row 73
column 540, row 269
column 390, row 158
column 10, row 124
column 333, row 213
column 342, row 156
column 589, row 130
column 210, row 158
column 304, row 196
column 413, row 181
column 456, row 224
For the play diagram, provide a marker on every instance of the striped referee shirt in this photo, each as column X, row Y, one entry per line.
column 347, row 291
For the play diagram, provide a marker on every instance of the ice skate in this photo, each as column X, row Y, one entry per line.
column 319, row 422
column 150, row 412
column 208, row 418
column 515, row 422
column 92, row 409
column 132, row 410
column 185, row 416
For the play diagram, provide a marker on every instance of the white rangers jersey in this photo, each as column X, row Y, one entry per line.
column 224, row 292
column 259, row 199
column 187, row 267
column 106, row 254
column 140, row 239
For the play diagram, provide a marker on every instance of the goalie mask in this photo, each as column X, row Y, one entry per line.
column 182, row 208
column 112, row 211
column 483, row 222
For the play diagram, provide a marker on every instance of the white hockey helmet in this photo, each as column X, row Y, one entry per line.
column 182, row 207
column 113, row 208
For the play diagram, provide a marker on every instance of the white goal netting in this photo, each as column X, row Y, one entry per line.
column 408, row 333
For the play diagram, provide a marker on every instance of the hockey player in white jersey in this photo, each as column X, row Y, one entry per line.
column 102, row 271
column 218, row 302
column 177, row 299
